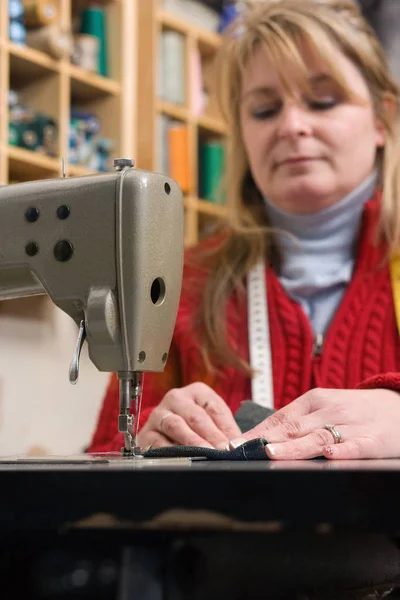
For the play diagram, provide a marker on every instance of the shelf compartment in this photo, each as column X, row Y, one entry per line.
column 208, row 41
column 86, row 85
column 28, row 65
column 107, row 109
column 41, row 97
column 114, row 13
column 172, row 77
column 25, row 165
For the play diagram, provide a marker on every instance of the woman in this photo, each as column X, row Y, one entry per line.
column 313, row 178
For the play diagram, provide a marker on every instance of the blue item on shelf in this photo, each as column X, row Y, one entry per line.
column 89, row 121
column 16, row 10
column 17, row 32
column 103, row 153
column 86, row 147
column 228, row 14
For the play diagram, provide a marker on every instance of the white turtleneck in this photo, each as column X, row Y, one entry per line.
column 316, row 267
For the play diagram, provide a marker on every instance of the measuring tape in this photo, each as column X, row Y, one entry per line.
column 259, row 334
column 262, row 391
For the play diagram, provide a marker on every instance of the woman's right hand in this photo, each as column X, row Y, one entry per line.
column 190, row 416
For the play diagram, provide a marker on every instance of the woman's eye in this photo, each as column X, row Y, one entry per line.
column 264, row 113
column 323, row 104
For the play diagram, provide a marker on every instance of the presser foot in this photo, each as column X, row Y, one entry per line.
column 133, row 452
column 130, row 449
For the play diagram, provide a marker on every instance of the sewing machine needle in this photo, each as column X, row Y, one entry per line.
column 128, row 424
column 128, row 441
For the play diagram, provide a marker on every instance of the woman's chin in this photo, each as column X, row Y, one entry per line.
column 303, row 196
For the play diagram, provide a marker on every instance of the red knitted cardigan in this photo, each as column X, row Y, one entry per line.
column 361, row 347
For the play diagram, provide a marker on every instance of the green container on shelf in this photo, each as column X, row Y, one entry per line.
column 13, row 135
column 212, row 163
column 93, row 22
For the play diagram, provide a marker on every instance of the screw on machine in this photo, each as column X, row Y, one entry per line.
column 121, row 163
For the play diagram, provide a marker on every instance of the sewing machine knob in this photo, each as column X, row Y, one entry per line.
column 121, row 163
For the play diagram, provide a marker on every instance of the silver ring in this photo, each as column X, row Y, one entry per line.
column 337, row 436
column 163, row 419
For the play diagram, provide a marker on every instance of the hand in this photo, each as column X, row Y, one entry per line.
column 367, row 420
column 190, row 416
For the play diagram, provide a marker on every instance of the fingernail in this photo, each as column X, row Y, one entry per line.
column 273, row 450
column 236, row 443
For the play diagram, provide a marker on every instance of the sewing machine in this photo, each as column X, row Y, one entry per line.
column 108, row 250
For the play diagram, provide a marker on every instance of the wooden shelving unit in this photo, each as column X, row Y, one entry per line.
column 54, row 86
column 152, row 20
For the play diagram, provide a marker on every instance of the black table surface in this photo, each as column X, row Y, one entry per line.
column 51, row 491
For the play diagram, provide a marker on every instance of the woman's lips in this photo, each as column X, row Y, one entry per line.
column 297, row 160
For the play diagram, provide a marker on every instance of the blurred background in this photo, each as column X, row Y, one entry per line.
column 86, row 82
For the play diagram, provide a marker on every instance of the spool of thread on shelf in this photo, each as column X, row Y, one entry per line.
column 50, row 39
column 93, row 23
column 86, row 51
column 39, row 13
column 212, row 158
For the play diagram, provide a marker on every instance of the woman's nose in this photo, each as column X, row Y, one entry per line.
column 293, row 121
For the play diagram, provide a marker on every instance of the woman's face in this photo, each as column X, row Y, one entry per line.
column 307, row 153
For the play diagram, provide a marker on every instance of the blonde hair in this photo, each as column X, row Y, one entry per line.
column 279, row 25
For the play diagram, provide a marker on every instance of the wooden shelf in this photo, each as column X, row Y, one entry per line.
column 52, row 87
column 171, row 21
column 175, row 111
column 25, row 165
column 211, row 125
column 29, row 66
column 32, row 56
column 201, row 45
column 208, row 42
column 86, row 84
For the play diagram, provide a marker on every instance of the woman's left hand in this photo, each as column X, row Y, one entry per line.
column 368, row 422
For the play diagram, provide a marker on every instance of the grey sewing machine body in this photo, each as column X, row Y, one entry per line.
column 108, row 250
